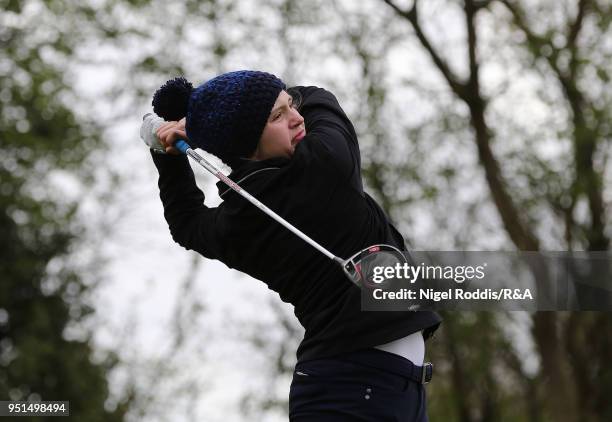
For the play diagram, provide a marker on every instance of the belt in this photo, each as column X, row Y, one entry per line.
column 390, row 362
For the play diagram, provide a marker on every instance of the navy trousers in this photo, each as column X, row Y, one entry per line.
column 368, row 385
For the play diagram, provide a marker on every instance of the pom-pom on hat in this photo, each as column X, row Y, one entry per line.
column 171, row 99
column 226, row 115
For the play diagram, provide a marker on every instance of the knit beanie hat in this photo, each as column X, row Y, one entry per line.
column 226, row 115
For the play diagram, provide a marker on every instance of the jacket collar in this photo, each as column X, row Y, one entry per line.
column 250, row 168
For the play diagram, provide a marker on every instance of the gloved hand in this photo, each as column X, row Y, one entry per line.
column 160, row 135
column 148, row 132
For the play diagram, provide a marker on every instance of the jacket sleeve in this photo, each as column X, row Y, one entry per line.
column 192, row 225
column 331, row 129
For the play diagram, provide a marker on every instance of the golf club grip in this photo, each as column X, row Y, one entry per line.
column 182, row 146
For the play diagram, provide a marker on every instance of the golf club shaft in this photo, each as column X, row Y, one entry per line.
column 186, row 149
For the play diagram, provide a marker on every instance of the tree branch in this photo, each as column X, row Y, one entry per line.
column 471, row 8
column 535, row 43
column 458, row 373
column 481, row 4
column 576, row 26
column 458, row 87
column 469, row 92
column 585, row 138
column 572, row 35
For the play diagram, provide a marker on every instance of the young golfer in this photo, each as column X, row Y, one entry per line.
column 297, row 152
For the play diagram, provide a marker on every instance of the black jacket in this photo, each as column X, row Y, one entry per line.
column 318, row 190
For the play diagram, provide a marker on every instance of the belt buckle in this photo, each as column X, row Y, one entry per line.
column 424, row 379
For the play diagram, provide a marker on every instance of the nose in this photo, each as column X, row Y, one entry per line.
column 296, row 118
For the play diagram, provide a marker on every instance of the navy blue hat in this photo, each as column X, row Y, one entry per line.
column 226, row 115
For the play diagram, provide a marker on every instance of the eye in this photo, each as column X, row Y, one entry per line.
column 277, row 116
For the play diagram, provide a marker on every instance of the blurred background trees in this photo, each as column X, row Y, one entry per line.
column 531, row 178
column 484, row 125
column 45, row 350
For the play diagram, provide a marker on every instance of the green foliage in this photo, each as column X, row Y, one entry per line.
column 41, row 294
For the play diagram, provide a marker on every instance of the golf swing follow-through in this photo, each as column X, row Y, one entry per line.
column 295, row 156
column 351, row 266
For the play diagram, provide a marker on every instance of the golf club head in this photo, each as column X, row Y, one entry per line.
column 361, row 267
column 352, row 271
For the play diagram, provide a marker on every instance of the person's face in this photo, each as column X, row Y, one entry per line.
column 283, row 131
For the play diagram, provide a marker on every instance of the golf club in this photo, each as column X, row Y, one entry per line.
column 351, row 267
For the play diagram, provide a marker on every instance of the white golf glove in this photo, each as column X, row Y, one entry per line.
column 150, row 124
